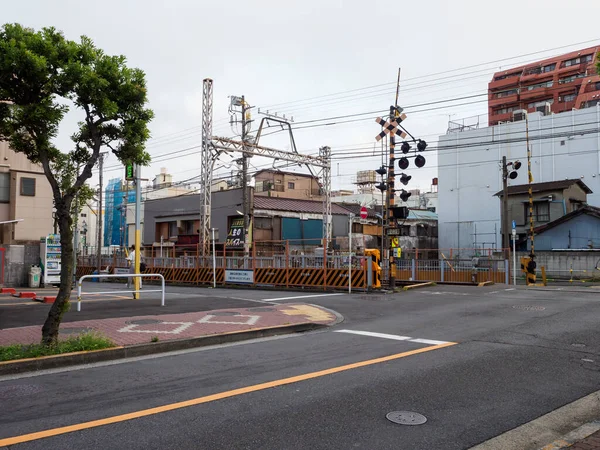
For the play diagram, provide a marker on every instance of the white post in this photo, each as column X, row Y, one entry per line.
column 161, row 246
column 350, row 217
column 514, row 236
column 214, row 259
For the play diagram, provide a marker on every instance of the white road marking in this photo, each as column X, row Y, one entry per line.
column 298, row 296
column 392, row 336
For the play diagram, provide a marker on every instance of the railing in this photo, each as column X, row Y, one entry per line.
column 138, row 275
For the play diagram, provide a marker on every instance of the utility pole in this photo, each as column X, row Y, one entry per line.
column 245, row 181
column 505, row 232
column 531, row 265
column 138, row 219
column 99, row 215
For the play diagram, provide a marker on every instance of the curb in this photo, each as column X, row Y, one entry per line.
column 549, row 430
column 571, row 438
column 87, row 357
column 413, row 286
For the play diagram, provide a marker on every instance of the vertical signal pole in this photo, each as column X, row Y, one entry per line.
column 138, row 217
column 530, row 190
column 391, row 194
column 246, row 207
column 505, row 231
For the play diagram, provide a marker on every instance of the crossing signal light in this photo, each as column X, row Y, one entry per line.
column 405, row 147
column 421, row 145
column 517, row 165
column 404, row 179
column 381, row 171
column 381, row 186
column 513, row 175
column 403, row 163
column 420, row 161
column 404, row 196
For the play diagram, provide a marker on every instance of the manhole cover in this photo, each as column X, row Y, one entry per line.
column 577, row 345
column 18, row 390
column 143, row 322
column 529, row 308
column 263, row 309
column 225, row 313
column 76, row 330
column 406, row 418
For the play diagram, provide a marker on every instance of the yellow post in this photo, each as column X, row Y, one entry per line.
column 544, row 280
column 136, row 280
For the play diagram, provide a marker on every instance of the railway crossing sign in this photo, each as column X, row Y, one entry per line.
column 390, row 127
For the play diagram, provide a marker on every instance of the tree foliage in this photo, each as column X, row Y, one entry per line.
column 42, row 76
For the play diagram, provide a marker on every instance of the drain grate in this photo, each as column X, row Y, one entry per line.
column 224, row 313
column 406, row 418
column 529, row 308
column 143, row 322
column 76, row 330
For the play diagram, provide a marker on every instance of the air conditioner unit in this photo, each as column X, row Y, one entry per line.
column 519, row 114
column 545, row 109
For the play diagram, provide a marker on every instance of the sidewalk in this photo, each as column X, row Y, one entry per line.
column 126, row 331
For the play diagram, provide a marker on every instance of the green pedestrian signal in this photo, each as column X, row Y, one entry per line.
column 129, row 175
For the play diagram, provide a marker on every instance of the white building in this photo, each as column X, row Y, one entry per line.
column 563, row 146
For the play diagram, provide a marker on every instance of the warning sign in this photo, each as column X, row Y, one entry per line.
column 395, row 242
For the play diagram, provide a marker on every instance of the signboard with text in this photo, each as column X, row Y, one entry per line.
column 393, row 231
column 239, row 276
column 235, row 237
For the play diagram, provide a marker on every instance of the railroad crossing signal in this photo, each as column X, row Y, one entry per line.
column 390, row 127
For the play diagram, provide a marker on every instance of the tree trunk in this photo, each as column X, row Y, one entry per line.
column 61, row 304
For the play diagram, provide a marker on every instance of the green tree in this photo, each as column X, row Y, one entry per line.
column 43, row 76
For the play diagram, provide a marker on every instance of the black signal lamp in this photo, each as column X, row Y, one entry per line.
column 513, row 175
column 381, row 186
column 403, row 163
column 420, row 161
column 517, row 165
column 381, row 171
column 421, row 145
column 404, row 179
column 405, row 147
column 404, row 196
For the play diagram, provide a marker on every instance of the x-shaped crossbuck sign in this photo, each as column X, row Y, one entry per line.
column 390, row 127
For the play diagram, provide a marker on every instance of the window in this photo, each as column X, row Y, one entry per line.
column 173, row 229
column 590, row 103
column 83, row 215
column 545, row 84
column 578, row 60
column 570, row 78
column 28, row 187
column 263, row 223
column 568, row 97
column 422, row 230
column 541, row 211
column 405, row 230
column 505, row 110
column 507, row 93
column 291, row 185
column 504, row 77
column 542, row 103
column 4, row 187
column 549, row 68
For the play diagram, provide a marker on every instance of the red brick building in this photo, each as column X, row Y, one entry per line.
column 553, row 85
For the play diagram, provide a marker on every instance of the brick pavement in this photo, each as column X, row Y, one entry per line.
column 592, row 442
column 141, row 329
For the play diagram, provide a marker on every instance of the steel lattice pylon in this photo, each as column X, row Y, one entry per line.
column 206, row 165
column 325, row 155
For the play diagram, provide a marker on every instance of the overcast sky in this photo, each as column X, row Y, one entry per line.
column 313, row 59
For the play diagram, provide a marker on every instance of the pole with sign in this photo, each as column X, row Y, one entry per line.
column 514, row 236
column 350, row 217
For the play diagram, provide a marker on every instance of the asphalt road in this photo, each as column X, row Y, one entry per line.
column 519, row 355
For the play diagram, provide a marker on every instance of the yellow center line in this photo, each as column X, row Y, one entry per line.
column 210, row 398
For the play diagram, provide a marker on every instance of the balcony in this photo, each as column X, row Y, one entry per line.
column 536, row 93
column 188, row 239
column 496, row 85
column 495, row 118
column 497, row 101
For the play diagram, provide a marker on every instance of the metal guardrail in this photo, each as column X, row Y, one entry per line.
column 138, row 275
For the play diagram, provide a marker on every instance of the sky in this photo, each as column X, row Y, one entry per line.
column 315, row 61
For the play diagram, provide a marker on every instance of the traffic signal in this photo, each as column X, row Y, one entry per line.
column 404, row 196
column 513, row 175
column 404, row 179
column 420, row 161
column 421, row 145
column 381, row 171
column 517, row 165
column 405, row 147
column 381, row 186
column 403, row 163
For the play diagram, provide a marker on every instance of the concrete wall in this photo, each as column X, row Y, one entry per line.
column 558, row 264
column 17, row 262
column 36, row 211
column 565, row 145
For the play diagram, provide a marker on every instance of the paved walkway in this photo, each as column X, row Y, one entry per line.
column 141, row 329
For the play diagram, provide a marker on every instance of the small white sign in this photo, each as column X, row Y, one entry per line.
column 239, row 276
column 121, row 270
